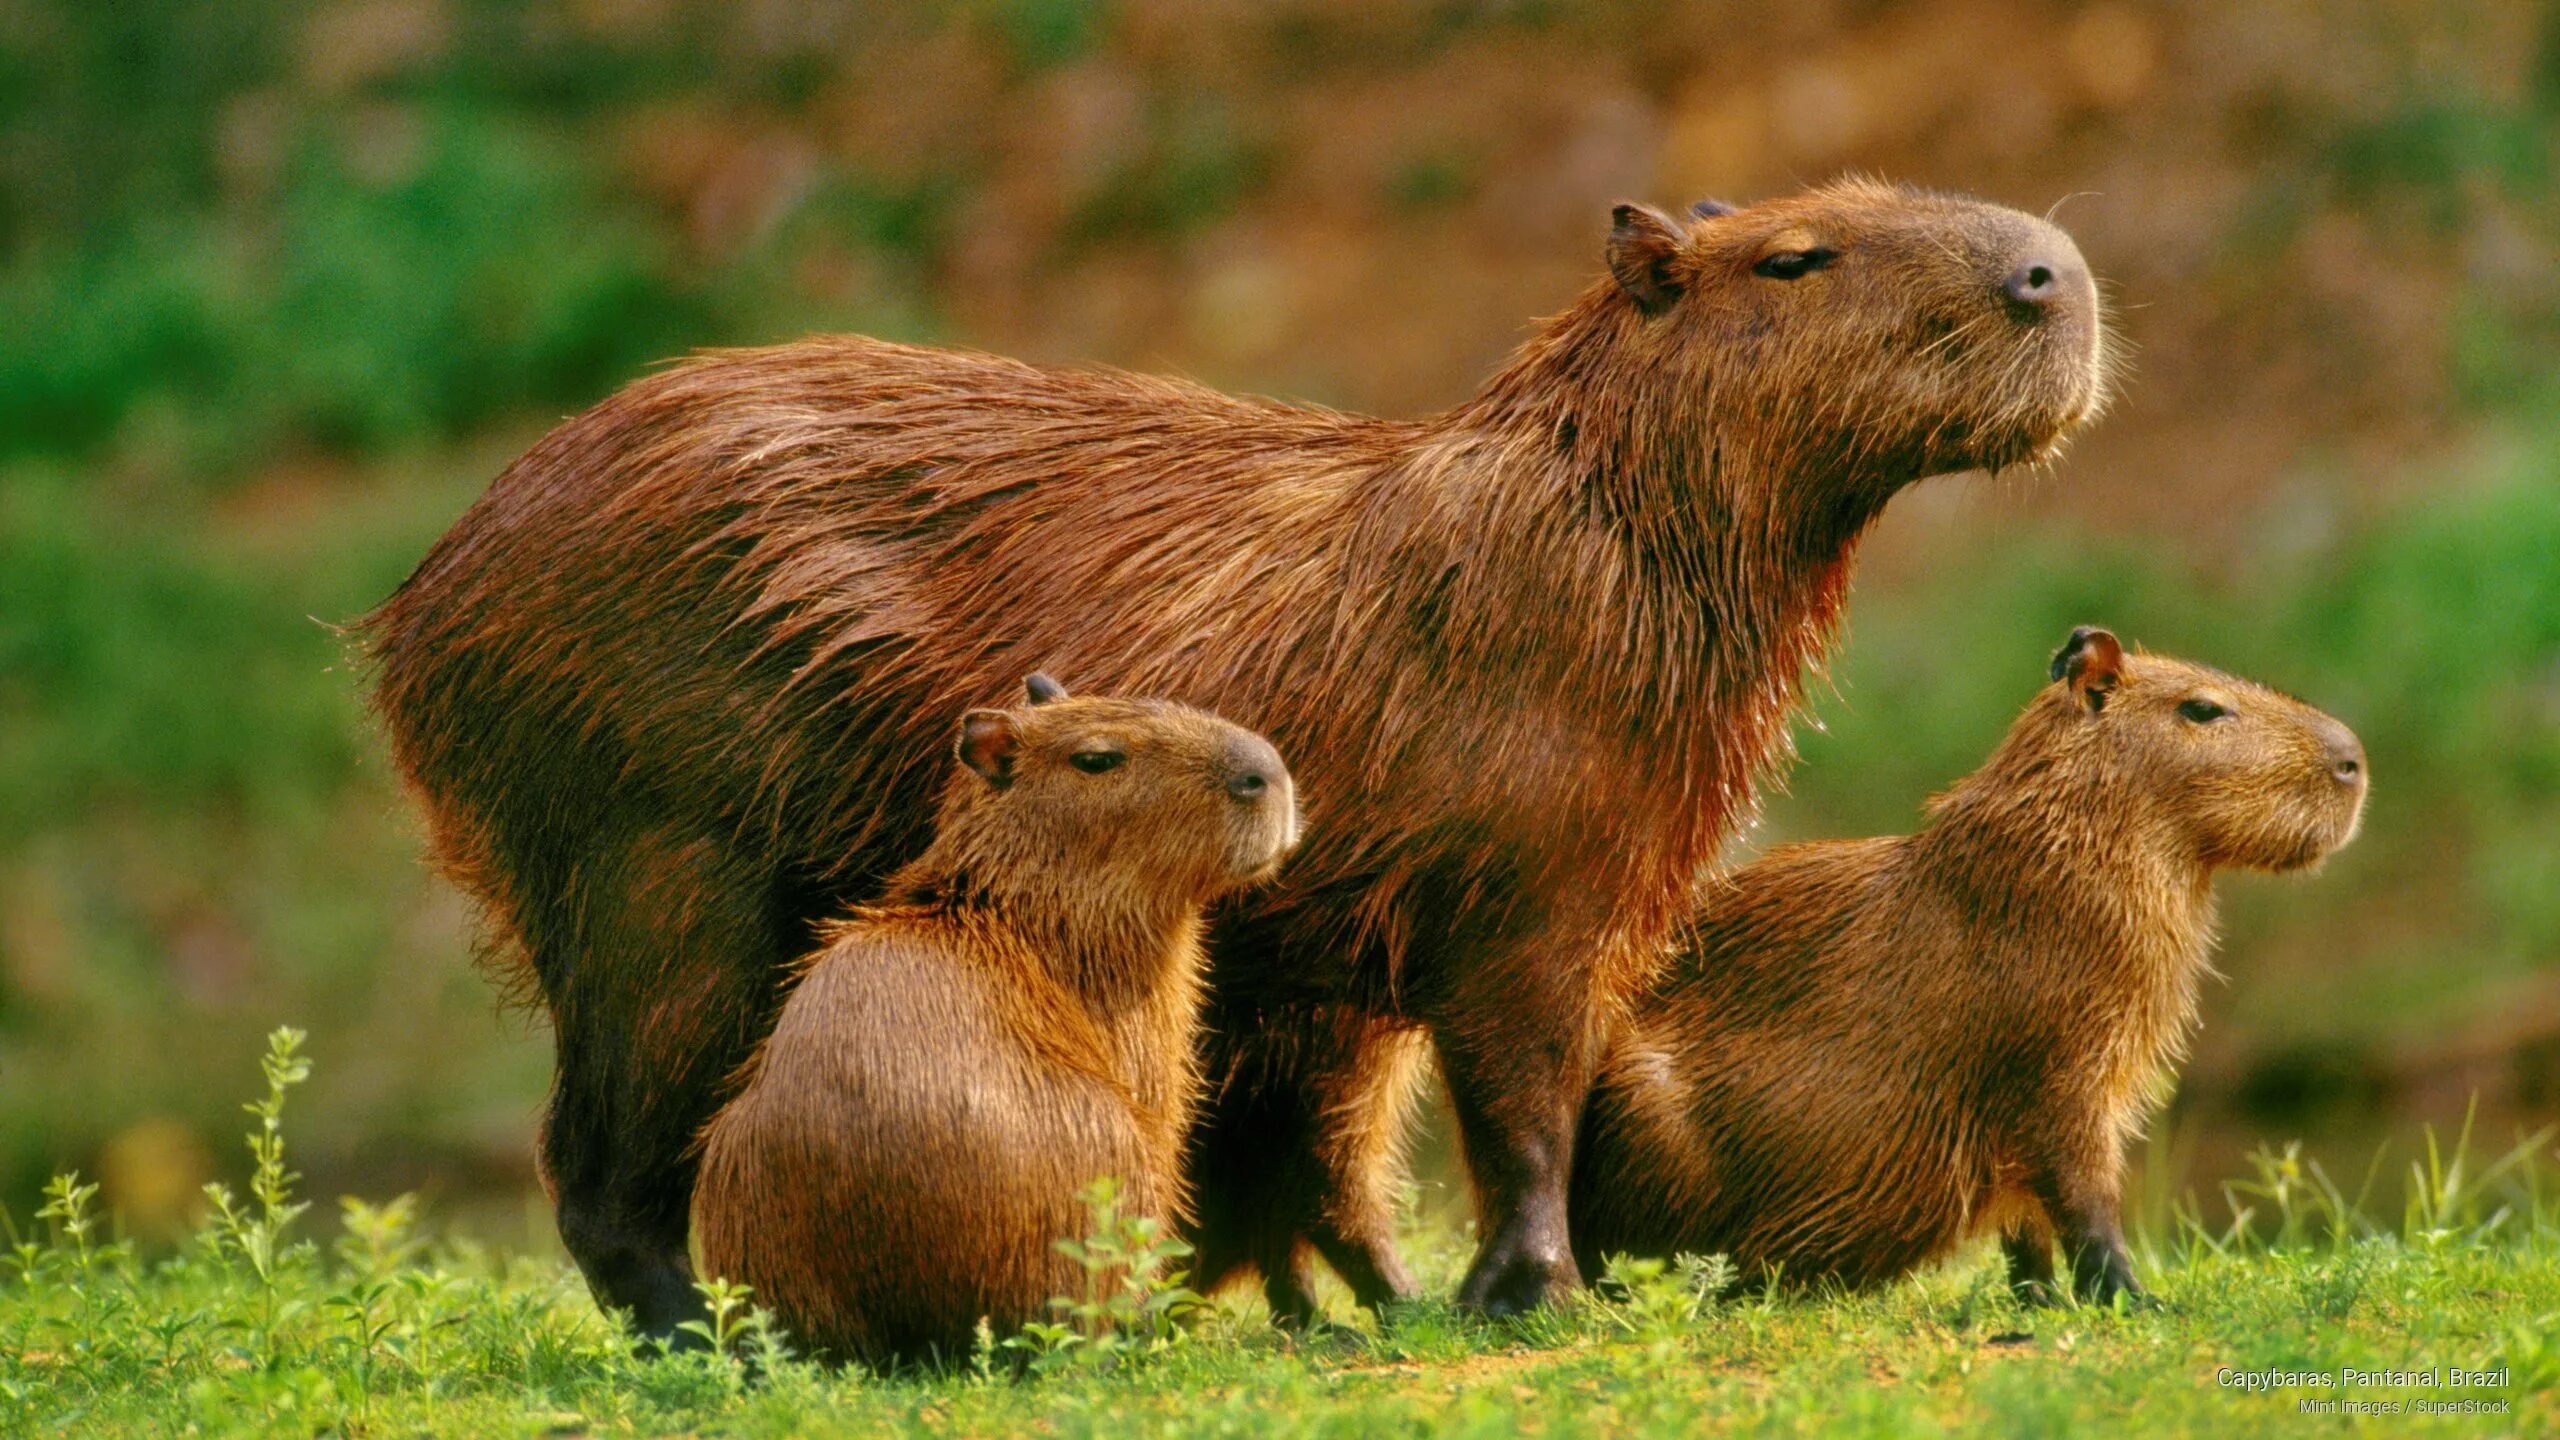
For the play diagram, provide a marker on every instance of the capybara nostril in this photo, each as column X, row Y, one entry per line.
column 2037, row 283
column 1252, row 768
column 2346, row 758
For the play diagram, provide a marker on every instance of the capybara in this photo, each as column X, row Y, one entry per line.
column 664, row 689
column 1014, row 1019
column 1873, row 1051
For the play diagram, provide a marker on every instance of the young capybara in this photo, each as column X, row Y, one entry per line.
column 1872, row 1051
column 659, row 690
column 1014, row 1019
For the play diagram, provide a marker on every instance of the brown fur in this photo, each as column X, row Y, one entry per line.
column 1014, row 1020
column 1530, row 658
column 1873, row 1051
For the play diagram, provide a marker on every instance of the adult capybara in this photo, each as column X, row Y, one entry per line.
column 663, row 690
column 1873, row 1051
column 1013, row 1020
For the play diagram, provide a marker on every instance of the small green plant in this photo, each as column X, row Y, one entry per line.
column 739, row 1332
column 1657, row 1301
column 66, row 1204
column 2446, row 1198
column 257, row 1235
column 1134, row 1300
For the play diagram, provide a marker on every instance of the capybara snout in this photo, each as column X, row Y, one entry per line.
column 1990, row 316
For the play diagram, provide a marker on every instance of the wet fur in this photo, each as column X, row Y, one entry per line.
column 1870, row 1052
column 1014, row 1020
column 668, row 693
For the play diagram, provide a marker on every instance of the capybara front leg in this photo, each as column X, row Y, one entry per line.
column 2081, row 1202
column 659, row 990
column 1517, row 1096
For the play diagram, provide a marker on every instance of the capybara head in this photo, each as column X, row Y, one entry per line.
column 2248, row 776
column 1140, row 795
column 1902, row 333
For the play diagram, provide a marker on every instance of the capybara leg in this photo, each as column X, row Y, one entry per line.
column 1251, row 1148
column 626, row 1232
column 2082, row 1207
column 659, row 990
column 1366, row 1104
column 1516, row 1098
column 2101, row 1269
column 2028, row 1249
column 1289, row 1288
column 1302, row 1140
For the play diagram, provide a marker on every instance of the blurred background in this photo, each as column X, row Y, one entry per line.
column 283, row 284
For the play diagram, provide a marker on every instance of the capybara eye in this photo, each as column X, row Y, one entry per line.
column 1794, row 264
column 2200, row 711
column 1096, row 762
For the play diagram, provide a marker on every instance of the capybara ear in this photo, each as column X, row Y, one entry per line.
column 987, row 745
column 2090, row 660
column 1043, row 689
column 1642, row 244
column 1710, row 210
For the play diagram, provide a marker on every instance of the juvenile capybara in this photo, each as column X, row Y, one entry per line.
column 664, row 689
column 1873, row 1051
column 1014, row 1019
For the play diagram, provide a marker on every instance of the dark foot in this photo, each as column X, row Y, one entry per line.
column 658, row 1297
column 2035, row 1294
column 2111, row 1283
column 1292, row 1300
column 1511, row 1279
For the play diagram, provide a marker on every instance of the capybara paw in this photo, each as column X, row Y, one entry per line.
column 2035, row 1294
column 663, row 1312
column 1510, row 1282
column 2115, row 1288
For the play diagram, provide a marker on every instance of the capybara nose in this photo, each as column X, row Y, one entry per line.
column 2040, row 283
column 1253, row 769
column 2346, row 755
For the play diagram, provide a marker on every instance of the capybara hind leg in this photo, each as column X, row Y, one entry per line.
column 1367, row 1105
column 626, row 1231
column 1518, row 1094
column 1302, row 1141
column 668, row 982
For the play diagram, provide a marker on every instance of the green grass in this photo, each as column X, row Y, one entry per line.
column 250, row 1330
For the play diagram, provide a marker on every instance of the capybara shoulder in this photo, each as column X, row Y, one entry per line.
column 1013, row 1021
column 1869, row 1052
